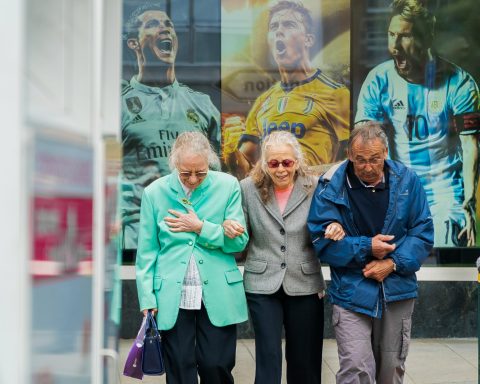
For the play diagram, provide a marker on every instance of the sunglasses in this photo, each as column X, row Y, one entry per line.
column 287, row 163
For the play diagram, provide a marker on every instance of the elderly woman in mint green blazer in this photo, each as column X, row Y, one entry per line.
column 185, row 263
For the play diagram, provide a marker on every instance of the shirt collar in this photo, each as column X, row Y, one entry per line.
column 354, row 182
column 147, row 89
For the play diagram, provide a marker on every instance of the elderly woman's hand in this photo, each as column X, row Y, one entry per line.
column 334, row 232
column 232, row 228
column 184, row 222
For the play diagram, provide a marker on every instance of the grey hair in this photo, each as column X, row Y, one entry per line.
column 367, row 131
column 277, row 138
column 193, row 143
column 259, row 173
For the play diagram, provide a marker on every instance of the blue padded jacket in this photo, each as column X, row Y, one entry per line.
column 408, row 218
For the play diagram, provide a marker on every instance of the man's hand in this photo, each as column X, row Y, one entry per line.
column 184, row 222
column 232, row 228
column 334, row 232
column 469, row 230
column 378, row 269
column 380, row 247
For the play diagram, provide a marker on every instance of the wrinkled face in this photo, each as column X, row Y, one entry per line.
column 288, row 40
column 368, row 159
column 156, row 37
column 407, row 50
column 280, row 169
column 193, row 169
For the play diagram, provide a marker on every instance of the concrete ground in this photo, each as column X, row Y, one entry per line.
column 430, row 361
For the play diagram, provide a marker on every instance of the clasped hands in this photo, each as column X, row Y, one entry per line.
column 189, row 222
column 379, row 268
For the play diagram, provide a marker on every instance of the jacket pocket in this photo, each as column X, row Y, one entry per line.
column 310, row 267
column 255, row 266
column 233, row 276
column 406, row 330
column 157, row 283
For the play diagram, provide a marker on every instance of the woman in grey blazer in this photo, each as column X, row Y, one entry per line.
column 283, row 278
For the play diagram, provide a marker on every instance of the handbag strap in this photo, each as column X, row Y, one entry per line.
column 151, row 325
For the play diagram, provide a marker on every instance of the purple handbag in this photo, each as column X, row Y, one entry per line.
column 133, row 365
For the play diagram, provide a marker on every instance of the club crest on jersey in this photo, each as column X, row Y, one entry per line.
column 193, row 116
column 282, row 104
column 435, row 106
column 134, row 105
column 308, row 108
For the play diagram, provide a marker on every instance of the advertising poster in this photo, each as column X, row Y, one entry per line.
column 416, row 70
column 171, row 71
column 285, row 66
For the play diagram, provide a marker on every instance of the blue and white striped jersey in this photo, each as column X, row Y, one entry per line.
column 425, row 123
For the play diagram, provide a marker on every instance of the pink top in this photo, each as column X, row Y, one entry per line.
column 282, row 197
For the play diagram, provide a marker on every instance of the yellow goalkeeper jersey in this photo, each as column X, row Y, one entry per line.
column 316, row 111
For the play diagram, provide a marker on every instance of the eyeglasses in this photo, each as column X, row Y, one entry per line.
column 287, row 163
column 374, row 161
column 188, row 174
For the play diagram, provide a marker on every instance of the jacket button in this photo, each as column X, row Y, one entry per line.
column 190, row 242
column 282, row 231
column 283, row 265
column 205, row 282
column 282, row 248
column 200, row 261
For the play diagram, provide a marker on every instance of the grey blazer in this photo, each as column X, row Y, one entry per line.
column 280, row 251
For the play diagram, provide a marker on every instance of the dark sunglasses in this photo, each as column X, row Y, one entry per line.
column 287, row 163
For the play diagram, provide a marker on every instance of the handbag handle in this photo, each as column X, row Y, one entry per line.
column 151, row 325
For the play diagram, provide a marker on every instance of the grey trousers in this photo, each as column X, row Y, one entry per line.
column 372, row 349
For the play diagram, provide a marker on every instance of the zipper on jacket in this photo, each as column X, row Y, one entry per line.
column 384, row 297
column 394, row 207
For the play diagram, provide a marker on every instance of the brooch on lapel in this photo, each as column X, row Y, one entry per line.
column 186, row 201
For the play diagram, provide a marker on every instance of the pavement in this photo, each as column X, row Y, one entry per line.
column 430, row 361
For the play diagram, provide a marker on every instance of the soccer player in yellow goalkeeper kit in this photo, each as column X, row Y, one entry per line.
column 305, row 102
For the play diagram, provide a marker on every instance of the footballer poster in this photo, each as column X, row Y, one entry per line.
column 171, row 68
column 285, row 66
column 416, row 70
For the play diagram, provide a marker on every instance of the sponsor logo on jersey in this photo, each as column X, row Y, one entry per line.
column 282, row 104
column 193, row 116
column 398, row 105
column 297, row 129
column 309, row 106
column 134, row 105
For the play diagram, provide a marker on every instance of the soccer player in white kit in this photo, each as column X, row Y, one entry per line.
column 156, row 108
column 430, row 109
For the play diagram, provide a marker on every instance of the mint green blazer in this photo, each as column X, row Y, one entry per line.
column 163, row 256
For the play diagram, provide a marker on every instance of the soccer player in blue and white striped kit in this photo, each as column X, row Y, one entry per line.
column 430, row 109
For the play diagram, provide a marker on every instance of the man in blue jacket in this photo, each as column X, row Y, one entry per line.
column 383, row 210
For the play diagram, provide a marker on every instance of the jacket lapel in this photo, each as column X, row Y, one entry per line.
column 299, row 193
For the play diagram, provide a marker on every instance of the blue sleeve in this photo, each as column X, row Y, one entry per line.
column 351, row 251
column 465, row 105
column 369, row 106
column 416, row 246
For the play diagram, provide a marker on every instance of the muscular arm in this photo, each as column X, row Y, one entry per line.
column 470, row 181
